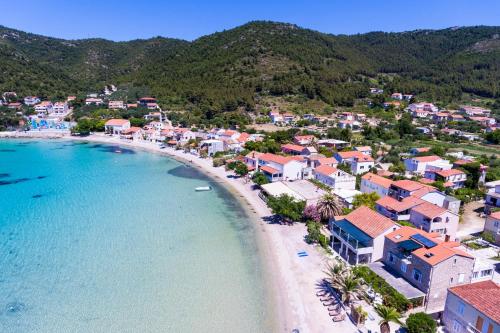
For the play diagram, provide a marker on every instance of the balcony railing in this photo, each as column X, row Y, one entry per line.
column 471, row 328
column 353, row 242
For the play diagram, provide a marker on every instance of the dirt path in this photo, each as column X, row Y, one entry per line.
column 471, row 222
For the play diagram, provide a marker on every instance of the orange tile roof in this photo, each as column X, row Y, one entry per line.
column 325, row 170
column 275, row 158
column 116, row 122
column 350, row 154
column 399, row 206
column 451, row 172
column 408, row 185
column 424, row 159
column 369, row 221
column 292, row 147
column 483, row 296
column 363, row 148
column 268, row 169
column 327, row 161
column 385, row 173
column 495, row 215
column 426, row 181
column 304, row 137
column 438, row 253
column 429, row 210
column 376, row 179
column 462, row 162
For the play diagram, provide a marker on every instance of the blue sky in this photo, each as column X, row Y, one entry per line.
column 189, row 19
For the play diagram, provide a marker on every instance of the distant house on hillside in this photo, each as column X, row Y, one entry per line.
column 116, row 126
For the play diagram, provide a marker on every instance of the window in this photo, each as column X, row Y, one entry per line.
column 391, row 258
column 455, row 261
column 496, row 224
column 486, row 273
column 461, row 277
column 404, row 267
column 461, row 307
column 475, row 275
column 451, row 280
column 456, row 326
column 417, row 275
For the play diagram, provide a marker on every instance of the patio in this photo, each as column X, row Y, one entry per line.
column 396, row 281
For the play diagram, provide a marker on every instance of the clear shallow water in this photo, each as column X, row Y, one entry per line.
column 96, row 241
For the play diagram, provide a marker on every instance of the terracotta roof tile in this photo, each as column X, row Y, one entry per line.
column 399, row 206
column 429, row 210
column 483, row 296
column 369, row 221
column 376, row 179
column 325, row 170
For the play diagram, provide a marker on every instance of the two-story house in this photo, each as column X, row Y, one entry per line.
column 428, row 263
column 434, row 219
column 304, row 140
column 473, row 308
column 452, row 178
column 116, row 126
column 334, row 178
column 374, row 183
column 419, row 164
column 397, row 209
column 277, row 167
column 358, row 162
column 359, row 236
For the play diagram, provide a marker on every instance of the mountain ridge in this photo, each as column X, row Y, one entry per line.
column 228, row 69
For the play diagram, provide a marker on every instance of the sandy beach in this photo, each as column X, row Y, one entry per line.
column 292, row 280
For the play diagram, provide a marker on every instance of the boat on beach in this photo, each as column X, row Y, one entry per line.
column 203, row 188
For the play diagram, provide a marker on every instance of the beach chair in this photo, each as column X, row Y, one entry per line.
column 334, row 313
column 325, row 299
column 339, row 317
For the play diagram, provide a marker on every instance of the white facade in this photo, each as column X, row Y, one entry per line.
column 359, row 166
column 337, row 179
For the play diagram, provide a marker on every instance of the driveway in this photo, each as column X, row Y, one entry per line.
column 472, row 221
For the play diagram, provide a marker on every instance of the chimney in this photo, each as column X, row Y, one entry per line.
column 446, row 238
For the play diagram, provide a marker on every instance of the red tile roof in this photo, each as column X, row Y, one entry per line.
column 376, row 179
column 451, row 172
column 350, row 154
column 116, row 122
column 408, row 185
column 399, row 206
column 268, row 169
column 429, row 210
column 275, row 158
column 292, row 147
column 325, row 170
column 483, row 296
column 369, row 221
column 424, row 159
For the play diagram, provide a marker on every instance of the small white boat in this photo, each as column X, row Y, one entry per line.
column 203, row 188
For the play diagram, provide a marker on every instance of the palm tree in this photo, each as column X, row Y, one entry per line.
column 329, row 206
column 387, row 315
column 351, row 287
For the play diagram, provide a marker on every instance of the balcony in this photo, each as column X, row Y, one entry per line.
column 472, row 329
column 354, row 239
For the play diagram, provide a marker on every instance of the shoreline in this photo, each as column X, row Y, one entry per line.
column 293, row 303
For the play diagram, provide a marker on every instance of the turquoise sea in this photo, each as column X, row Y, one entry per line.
column 93, row 240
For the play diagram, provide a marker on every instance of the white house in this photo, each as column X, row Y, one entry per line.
column 359, row 162
column 374, row 183
column 366, row 150
column 492, row 225
column 419, row 164
column 116, row 126
column 94, row 101
column 60, row 108
column 31, row 100
column 212, row 145
column 334, row 178
column 359, row 236
column 115, row 105
column 452, row 178
column 428, row 107
column 277, row 167
column 44, row 108
column 492, row 199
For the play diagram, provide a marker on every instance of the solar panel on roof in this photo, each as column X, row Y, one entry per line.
column 409, row 245
column 423, row 240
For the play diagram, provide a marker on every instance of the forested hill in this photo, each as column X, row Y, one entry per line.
column 231, row 68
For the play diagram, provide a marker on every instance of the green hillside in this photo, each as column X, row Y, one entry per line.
column 230, row 69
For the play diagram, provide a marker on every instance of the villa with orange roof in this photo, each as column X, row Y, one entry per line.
column 374, row 183
column 116, row 126
column 435, row 219
column 419, row 164
column 334, row 178
column 397, row 210
column 359, row 162
column 452, row 178
column 132, row 133
column 366, row 150
column 277, row 167
column 359, row 236
column 473, row 308
column 427, row 263
column 298, row 150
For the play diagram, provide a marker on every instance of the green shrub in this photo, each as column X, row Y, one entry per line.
column 421, row 323
column 391, row 297
column 488, row 236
